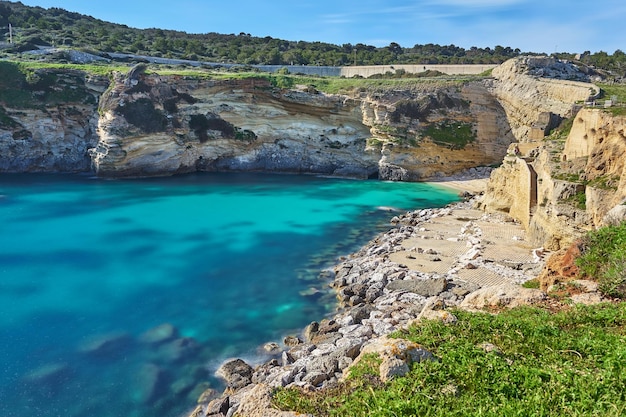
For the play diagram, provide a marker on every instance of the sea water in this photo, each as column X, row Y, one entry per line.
column 90, row 267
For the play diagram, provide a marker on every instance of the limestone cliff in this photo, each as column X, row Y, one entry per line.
column 529, row 86
column 147, row 124
column 153, row 125
column 47, row 124
column 563, row 187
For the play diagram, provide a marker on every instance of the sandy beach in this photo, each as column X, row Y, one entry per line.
column 473, row 186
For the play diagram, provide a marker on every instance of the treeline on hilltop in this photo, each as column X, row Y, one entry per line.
column 36, row 26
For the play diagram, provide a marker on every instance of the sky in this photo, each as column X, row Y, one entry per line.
column 531, row 25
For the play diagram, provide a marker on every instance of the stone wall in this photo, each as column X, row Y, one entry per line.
column 369, row 70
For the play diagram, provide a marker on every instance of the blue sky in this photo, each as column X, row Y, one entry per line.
column 530, row 25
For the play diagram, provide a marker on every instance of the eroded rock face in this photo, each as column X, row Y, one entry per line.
column 529, row 86
column 153, row 125
column 148, row 125
column 559, row 191
column 50, row 125
column 505, row 295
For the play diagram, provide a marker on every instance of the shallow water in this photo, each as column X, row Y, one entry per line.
column 232, row 261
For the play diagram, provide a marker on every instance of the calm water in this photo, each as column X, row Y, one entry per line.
column 231, row 261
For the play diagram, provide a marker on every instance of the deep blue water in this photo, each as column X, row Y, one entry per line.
column 230, row 260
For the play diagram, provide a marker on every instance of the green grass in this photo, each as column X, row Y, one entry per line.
column 619, row 90
column 94, row 69
column 562, row 131
column 604, row 259
column 533, row 283
column 567, row 364
column 605, row 182
column 24, row 85
column 330, row 85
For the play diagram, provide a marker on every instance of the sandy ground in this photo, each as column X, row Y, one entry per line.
column 486, row 249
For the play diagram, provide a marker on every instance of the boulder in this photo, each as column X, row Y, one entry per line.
column 392, row 367
column 505, row 295
column 587, row 298
column 159, row 334
column 615, row 216
column 391, row 350
column 236, row 373
column 561, row 266
column 218, row 406
column 423, row 287
column 256, row 401
column 292, row 341
column 150, row 383
column 271, row 348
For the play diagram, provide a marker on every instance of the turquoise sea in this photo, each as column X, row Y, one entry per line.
column 230, row 261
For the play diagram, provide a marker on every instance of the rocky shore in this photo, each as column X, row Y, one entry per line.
column 430, row 261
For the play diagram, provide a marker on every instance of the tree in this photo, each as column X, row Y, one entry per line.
column 395, row 48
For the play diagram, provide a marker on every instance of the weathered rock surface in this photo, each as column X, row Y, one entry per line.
column 560, row 267
column 505, row 295
column 529, row 86
column 52, row 124
column 236, row 373
column 160, row 125
column 559, row 191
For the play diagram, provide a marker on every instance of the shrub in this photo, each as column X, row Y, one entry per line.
column 144, row 115
column 455, row 135
column 604, row 258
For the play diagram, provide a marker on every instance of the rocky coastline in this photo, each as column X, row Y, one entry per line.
column 430, row 261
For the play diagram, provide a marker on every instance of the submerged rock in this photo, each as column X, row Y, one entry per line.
column 179, row 350
column 159, row 334
column 107, row 346
column 150, row 383
column 49, row 377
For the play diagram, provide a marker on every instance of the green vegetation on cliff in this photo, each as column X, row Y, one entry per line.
column 604, row 259
column 455, row 135
column 617, row 92
column 25, row 86
column 522, row 362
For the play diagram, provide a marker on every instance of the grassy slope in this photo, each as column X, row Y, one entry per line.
column 565, row 364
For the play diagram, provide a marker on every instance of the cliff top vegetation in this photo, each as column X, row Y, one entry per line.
column 35, row 26
column 25, row 71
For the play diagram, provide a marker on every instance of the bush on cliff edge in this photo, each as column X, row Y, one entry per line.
column 604, row 259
